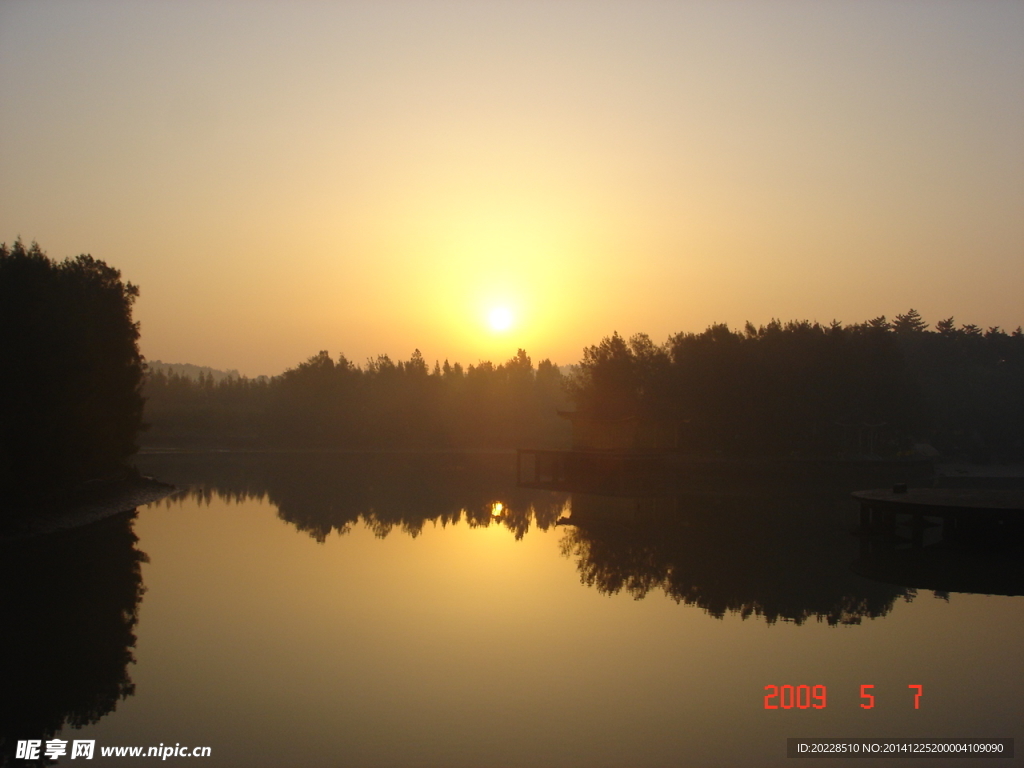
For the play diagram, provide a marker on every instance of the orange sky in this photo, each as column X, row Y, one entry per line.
column 371, row 177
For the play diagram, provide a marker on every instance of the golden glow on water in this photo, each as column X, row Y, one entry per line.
column 279, row 649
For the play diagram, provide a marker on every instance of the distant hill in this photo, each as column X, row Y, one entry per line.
column 192, row 371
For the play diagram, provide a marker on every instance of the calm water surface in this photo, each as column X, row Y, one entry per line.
column 425, row 611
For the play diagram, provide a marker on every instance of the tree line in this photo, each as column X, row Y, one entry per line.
column 873, row 387
column 328, row 403
column 799, row 387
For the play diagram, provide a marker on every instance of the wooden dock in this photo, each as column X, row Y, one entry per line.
column 962, row 512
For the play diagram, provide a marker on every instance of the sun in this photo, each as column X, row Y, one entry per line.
column 500, row 319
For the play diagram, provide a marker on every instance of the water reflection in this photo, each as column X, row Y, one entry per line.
column 69, row 607
column 943, row 568
column 770, row 557
column 736, row 548
column 321, row 494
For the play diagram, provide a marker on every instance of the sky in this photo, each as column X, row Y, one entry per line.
column 370, row 178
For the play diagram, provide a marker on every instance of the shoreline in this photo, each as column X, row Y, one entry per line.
column 81, row 507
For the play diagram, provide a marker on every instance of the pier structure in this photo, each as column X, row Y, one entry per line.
column 963, row 513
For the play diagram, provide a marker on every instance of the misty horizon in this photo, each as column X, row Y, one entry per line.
column 285, row 178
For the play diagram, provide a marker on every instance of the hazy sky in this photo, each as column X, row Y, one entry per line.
column 371, row 177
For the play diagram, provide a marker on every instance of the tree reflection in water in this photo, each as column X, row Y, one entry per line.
column 753, row 550
column 324, row 493
column 775, row 558
column 69, row 607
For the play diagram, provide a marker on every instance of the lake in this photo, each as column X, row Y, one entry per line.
column 425, row 610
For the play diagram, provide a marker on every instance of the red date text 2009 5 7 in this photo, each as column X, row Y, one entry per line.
column 816, row 697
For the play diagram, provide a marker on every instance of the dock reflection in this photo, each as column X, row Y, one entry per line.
column 945, row 568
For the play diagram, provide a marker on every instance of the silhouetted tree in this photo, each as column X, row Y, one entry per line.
column 909, row 323
column 70, row 401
